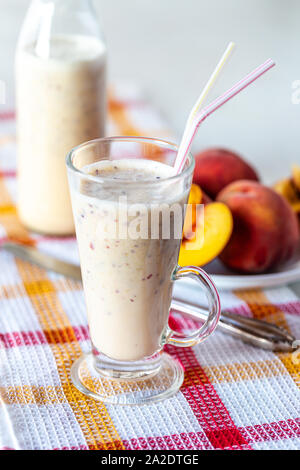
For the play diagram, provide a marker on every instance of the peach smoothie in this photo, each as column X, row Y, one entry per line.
column 127, row 279
column 61, row 102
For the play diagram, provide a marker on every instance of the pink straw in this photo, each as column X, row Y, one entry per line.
column 212, row 107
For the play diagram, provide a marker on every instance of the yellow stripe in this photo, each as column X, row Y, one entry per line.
column 17, row 290
column 7, row 210
column 30, row 395
column 293, row 369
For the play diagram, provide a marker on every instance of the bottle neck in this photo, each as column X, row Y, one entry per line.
column 46, row 19
column 74, row 4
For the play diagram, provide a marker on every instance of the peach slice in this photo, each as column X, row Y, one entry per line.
column 195, row 198
column 287, row 188
column 211, row 236
column 296, row 177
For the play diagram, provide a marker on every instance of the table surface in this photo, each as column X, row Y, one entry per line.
column 171, row 47
column 234, row 396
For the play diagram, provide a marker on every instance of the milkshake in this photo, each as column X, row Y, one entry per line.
column 127, row 277
column 61, row 103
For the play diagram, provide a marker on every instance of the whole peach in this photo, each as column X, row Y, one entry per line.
column 265, row 232
column 216, row 168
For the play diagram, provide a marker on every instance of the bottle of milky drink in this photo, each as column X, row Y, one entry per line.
column 61, row 102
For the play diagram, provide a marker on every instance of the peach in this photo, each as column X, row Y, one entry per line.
column 212, row 232
column 216, row 168
column 265, row 232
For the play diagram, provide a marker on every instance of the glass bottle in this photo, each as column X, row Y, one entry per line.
column 61, row 102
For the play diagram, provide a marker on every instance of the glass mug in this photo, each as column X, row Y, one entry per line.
column 129, row 234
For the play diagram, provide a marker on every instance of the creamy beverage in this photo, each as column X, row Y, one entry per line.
column 128, row 204
column 127, row 278
column 61, row 103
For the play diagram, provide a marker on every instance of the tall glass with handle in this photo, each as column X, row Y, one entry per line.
column 61, row 103
column 129, row 207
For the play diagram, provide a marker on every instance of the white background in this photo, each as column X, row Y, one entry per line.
column 169, row 47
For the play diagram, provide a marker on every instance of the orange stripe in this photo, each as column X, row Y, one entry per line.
column 65, row 335
column 118, row 112
column 119, row 116
column 261, row 307
column 92, row 416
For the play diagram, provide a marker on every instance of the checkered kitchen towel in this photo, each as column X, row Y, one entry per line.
column 233, row 397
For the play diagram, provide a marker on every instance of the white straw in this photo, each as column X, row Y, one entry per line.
column 206, row 89
column 212, row 79
column 212, row 107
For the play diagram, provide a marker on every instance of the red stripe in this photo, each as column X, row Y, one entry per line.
column 22, row 338
column 290, row 307
column 45, row 238
column 289, row 429
column 204, row 401
column 39, row 337
column 7, row 115
column 182, row 441
column 207, row 406
column 8, row 174
column 82, row 447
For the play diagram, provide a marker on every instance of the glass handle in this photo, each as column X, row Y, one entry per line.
column 214, row 307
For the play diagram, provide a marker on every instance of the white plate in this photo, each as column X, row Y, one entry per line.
column 228, row 280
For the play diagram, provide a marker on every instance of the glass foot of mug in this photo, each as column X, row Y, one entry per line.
column 161, row 384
